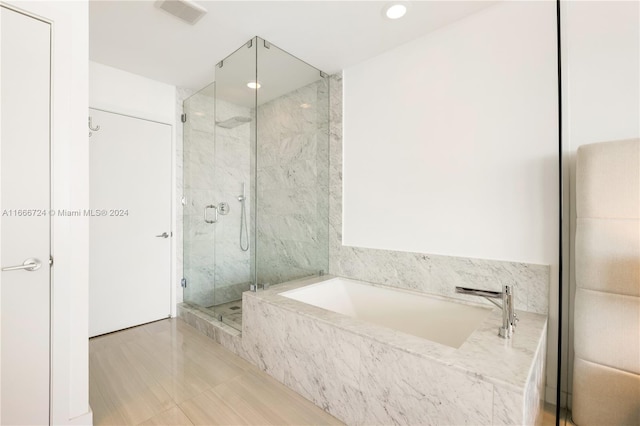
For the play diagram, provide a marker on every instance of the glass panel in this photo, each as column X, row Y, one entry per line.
column 292, row 167
column 198, row 178
column 234, row 133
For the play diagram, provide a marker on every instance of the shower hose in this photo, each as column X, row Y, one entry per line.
column 244, row 242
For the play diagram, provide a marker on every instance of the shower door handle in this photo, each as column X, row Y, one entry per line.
column 215, row 217
column 163, row 235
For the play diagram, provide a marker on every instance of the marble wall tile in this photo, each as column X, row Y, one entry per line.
column 292, row 179
column 231, row 292
column 417, row 271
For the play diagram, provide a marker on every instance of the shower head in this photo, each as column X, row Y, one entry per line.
column 233, row 122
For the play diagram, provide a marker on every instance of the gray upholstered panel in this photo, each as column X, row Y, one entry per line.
column 607, row 253
column 606, row 396
column 607, row 180
column 608, row 333
column 606, row 380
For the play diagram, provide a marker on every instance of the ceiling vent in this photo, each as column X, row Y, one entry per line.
column 187, row 10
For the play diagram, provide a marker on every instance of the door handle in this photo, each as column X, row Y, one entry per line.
column 215, row 208
column 31, row 264
column 163, row 235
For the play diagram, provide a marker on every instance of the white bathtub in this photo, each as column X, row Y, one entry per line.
column 441, row 321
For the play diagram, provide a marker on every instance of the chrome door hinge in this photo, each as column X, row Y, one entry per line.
column 183, row 283
column 50, row 260
column 183, row 118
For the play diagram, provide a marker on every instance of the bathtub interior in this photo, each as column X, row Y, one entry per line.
column 434, row 319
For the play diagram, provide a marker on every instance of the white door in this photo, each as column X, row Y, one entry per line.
column 25, row 223
column 130, row 230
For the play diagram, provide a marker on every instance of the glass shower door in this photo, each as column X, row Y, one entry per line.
column 219, row 133
column 199, row 188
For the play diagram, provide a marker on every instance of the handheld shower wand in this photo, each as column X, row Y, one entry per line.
column 244, row 242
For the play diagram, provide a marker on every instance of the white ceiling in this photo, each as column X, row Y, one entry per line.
column 137, row 37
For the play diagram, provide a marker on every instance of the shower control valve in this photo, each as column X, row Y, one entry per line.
column 223, row 208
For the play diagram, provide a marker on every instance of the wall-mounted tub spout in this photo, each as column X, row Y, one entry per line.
column 509, row 317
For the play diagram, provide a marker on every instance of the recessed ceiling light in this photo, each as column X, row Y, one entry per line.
column 305, row 105
column 395, row 10
column 254, row 85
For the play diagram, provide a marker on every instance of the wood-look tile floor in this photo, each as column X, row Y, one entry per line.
column 549, row 416
column 167, row 373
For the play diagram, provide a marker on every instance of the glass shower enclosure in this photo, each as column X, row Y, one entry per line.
column 255, row 178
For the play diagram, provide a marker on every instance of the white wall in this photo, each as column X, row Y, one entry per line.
column 601, row 91
column 70, row 237
column 450, row 141
column 115, row 90
column 451, row 144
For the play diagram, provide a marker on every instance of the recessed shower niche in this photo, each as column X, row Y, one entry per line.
column 256, row 171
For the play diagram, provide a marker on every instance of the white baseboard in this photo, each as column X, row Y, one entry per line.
column 85, row 419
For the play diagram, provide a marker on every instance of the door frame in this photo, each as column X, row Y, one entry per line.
column 69, row 360
column 172, row 208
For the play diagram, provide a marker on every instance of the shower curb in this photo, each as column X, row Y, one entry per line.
column 207, row 324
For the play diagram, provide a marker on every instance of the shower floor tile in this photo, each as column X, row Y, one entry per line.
column 231, row 313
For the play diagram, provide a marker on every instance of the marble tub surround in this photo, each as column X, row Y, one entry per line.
column 366, row 374
column 422, row 272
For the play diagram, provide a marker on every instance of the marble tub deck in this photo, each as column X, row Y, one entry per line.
column 488, row 380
